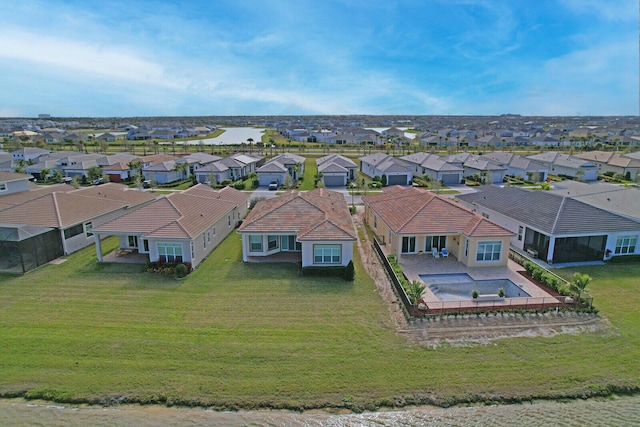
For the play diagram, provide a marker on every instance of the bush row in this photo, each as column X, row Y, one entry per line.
column 625, row 258
column 347, row 272
column 169, row 269
column 541, row 275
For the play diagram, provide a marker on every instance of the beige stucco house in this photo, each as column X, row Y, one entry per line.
column 316, row 224
column 181, row 227
column 414, row 221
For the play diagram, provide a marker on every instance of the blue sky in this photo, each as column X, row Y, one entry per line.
column 299, row 57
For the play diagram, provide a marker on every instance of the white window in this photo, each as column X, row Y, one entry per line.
column 375, row 221
column 170, row 252
column 214, row 231
column 255, row 243
column 489, row 251
column 466, row 248
column 3, row 186
column 520, row 232
column 208, row 236
column 229, row 219
column 204, row 241
column 87, row 228
column 193, row 250
column 626, row 244
column 327, row 254
column 272, row 242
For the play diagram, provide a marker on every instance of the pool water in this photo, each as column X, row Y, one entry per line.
column 460, row 286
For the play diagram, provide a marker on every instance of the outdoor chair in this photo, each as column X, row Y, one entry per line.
column 434, row 252
column 445, row 253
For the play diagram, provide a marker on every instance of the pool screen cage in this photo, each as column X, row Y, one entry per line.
column 25, row 247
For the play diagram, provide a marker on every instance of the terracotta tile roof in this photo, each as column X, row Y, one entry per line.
column 24, row 196
column 178, row 215
column 12, row 176
column 319, row 214
column 115, row 191
column 415, row 211
column 59, row 210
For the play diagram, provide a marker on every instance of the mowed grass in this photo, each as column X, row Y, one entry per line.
column 236, row 335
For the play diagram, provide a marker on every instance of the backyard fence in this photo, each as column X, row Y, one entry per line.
column 395, row 282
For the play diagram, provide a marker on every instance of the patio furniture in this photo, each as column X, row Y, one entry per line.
column 445, row 253
column 435, row 253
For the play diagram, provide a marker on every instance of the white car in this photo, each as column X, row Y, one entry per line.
column 273, row 185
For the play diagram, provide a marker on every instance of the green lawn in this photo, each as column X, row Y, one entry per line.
column 240, row 335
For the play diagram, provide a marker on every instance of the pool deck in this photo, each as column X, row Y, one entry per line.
column 415, row 265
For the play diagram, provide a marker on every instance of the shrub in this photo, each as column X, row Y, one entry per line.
column 226, row 182
column 323, row 271
column 349, row 272
column 239, row 185
column 181, row 270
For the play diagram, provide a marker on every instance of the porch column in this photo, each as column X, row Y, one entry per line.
column 98, row 247
column 552, row 245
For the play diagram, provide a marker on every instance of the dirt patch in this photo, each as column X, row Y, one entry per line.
column 469, row 329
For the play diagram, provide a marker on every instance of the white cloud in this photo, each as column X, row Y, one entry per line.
column 615, row 11
column 90, row 60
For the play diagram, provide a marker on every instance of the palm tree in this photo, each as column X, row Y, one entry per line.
column 181, row 167
column 580, row 283
column 250, row 141
column 44, row 173
column 135, row 165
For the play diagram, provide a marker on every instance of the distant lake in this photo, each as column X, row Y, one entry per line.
column 233, row 136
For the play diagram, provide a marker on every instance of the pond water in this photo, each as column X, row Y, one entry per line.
column 622, row 411
column 460, row 286
column 233, row 136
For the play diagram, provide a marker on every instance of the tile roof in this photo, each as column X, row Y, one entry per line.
column 60, row 210
column 415, row 211
column 12, row 176
column 24, row 196
column 179, row 215
column 319, row 214
column 548, row 212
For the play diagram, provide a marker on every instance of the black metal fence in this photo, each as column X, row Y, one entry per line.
column 398, row 289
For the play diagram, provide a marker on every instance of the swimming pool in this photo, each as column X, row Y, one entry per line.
column 459, row 286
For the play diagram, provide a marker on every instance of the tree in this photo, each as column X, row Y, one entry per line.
column 44, row 173
column 250, row 141
column 94, row 172
column 58, row 176
column 414, row 291
column 135, row 165
column 579, row 284
column 181, row 167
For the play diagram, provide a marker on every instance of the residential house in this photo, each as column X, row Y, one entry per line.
column 241, row 165
column 518, row 165
column 281, row 168
column 397, row 171
column 73, row 213
column 28, row 154
column 336, row 170
column 11, row 182
column 116, row 166
column 567, row 165
column 198, row 160
column 316, row 224
column 489, row 171
column 555, row 228
column 415, row 221
column 167, row 171
column 609, row 161
column 215, row 172
column 435, row 168
column 181, row 227
column 107, row 137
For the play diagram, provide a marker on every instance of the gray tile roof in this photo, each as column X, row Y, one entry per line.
column 550, row 213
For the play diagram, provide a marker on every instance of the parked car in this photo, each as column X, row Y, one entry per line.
column 146, row 183
column 273, row 185
column 97, row 181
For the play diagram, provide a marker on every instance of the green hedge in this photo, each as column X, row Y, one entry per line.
column 323, row 271
column 543, row 276
column 624, row 259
